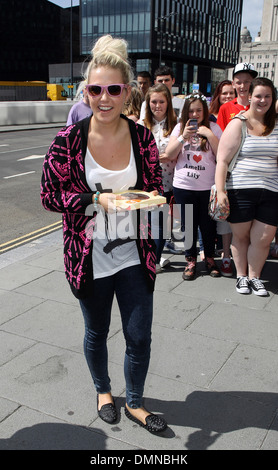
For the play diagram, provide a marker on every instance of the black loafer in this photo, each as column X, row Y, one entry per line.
column 153, row 422
column 107, row 413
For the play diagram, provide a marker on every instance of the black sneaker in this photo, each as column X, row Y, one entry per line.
column 242, row 285
column 257, row 287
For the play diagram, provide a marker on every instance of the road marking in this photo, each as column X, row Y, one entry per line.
column 28, row 148
column 31, row 157
column 4, row 145
column 19, row 174
column 30, row 236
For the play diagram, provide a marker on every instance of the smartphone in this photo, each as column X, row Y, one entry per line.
column 194, row 123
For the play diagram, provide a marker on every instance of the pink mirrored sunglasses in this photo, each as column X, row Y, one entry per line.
column 112, row 90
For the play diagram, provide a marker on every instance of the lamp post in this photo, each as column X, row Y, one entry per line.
column 274, row 70
column 252, row 45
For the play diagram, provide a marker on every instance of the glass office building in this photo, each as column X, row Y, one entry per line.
column 194, row 37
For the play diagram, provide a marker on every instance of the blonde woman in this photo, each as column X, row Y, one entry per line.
column 85, row 166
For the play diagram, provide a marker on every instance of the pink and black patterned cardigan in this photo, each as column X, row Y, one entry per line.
column 64, row 189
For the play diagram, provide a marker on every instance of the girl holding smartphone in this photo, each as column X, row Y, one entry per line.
column 195, row 148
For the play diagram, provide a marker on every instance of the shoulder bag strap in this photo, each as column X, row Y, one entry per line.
column 243, row 134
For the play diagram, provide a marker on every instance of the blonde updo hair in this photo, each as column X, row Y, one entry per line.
column 111, row 52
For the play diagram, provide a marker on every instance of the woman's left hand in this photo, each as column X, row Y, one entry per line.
column 204, row 131
column 154, row 193
column 210, row 136
column 164, row 158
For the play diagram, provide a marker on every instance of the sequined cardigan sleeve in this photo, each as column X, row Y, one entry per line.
column 64, row 189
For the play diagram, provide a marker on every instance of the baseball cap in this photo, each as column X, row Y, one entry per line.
column 245, row 67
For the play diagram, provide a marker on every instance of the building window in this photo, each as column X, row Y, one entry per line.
column 199, row 32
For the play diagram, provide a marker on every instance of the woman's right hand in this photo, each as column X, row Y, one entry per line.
column 223, row 200
column 107, row 201
column 188, row 131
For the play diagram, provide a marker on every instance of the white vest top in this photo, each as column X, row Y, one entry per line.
column 114, row 246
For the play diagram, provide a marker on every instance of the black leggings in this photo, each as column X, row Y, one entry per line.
column 199, row 200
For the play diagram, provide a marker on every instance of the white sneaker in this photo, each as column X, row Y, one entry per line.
column 257, row 287
column 164, row 262
column 242, row 285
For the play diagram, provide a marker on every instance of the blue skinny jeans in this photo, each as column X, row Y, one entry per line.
column 161, row 226
column 135, row 302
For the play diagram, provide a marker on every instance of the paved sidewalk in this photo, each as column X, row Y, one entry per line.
column 213, row 371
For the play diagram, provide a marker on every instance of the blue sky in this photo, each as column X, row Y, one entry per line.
column 251, row 13
column 65, row 3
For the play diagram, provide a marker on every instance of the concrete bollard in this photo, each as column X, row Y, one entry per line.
column 14, row 113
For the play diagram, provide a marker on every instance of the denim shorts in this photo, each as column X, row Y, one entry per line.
column 249, row 204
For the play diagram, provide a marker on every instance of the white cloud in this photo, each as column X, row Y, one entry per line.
column 252, row 16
